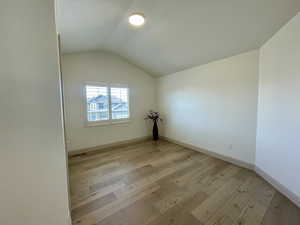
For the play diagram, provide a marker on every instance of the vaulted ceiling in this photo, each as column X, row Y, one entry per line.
column 178, row 34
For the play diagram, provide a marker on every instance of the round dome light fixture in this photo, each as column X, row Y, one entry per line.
column 137, row 19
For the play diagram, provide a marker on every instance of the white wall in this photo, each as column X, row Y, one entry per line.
column 33, row 182
column 104, row 67
column 214, row 106
column 278, row 131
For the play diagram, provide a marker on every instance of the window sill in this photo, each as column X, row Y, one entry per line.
column 119, row 121
column 107, row 123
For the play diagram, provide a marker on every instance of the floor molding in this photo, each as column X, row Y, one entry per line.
column 277, row 185
column 213, row 154
column 150, row 165
column 112, row 145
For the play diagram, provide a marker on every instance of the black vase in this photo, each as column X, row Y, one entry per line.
column 155, row 131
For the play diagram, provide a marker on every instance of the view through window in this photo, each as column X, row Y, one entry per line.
column 97, row 103
column 119, row 103
column 105, row 103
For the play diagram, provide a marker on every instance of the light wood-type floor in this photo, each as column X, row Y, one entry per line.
column 160, row 183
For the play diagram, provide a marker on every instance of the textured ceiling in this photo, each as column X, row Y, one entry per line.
column 178, row 34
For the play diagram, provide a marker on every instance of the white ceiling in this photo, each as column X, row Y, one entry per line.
column 178, row 34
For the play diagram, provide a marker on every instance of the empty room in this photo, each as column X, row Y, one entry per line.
column 139, row 112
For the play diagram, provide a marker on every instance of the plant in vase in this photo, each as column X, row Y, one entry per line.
column 155, row 117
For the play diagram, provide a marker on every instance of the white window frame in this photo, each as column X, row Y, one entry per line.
column 110, row 121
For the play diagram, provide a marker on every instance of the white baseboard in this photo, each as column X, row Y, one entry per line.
column 70, row 218
column 213, row 154
column 277, row 185
column 281, row 188
column 112, row 145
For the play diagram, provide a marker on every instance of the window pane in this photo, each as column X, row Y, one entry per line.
column 119, row 103
column 97, row 103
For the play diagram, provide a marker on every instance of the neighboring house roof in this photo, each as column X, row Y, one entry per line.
column 119, row 107
column 103, row 99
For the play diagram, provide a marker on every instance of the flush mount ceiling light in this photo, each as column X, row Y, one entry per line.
column 137, row 19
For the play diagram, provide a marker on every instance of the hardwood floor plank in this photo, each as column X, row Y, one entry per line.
column 92, row 205
column 209, row 207
column 111, row 152
column 112, row 208
column 87, row 197
column 221, row 176
column 139, row 213
column 246, row 206
column 161, row 183
column 180, row 214
column 123, row 178
column 156, row 177
column 125, row 166
column 119, row 179
column 282, row 211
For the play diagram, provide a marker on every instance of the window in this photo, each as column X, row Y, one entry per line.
column 97, row 103
column 119, row 103
column 106, row 103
